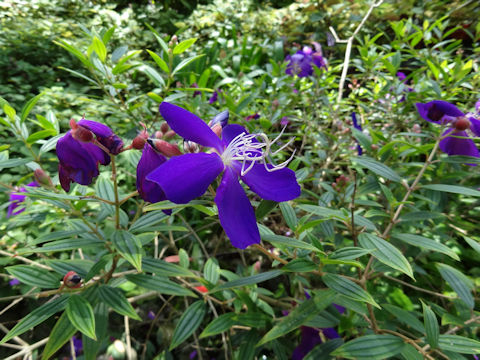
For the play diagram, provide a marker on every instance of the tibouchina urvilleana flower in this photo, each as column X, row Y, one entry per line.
column 301, row 63
column 17, row 198
column 455, row 138
column 237, row 155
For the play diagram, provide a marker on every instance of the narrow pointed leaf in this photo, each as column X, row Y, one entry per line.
column 348, row 288
column 129, row 247
column 34, row 276
column 423, row 242
column 183, row 46
column 455, row 189
column 60, row 334
column 459, row 344
column 458, row 282
column 219, row 325
column 378, row 168
column 386, row 253
column 211, row 271
column 159, row 283
column 160, row 62
column 371, row 347
column 80, row 314
column 431, row 326
column 248, row 280
column 164, row 268
column 29, row 106
column 188, row 323
column 114, row 298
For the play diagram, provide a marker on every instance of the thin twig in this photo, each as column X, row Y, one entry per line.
column 419, row 289
column 25, row 260
column 27, row 350
column 127, row 337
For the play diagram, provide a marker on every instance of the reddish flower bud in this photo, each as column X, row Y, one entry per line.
column 80, row 133
column 169, row 134
column 462, row 123
column 42, row 178
column 164, row 127
column 158, row 135
column 164, row 147
column 72, row 280
column 140, row 140
column 217, row 129
column 202, row 289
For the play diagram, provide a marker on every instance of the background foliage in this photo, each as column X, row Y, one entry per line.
column 390, row 235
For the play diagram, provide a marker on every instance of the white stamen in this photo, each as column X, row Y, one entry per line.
column 248, row 149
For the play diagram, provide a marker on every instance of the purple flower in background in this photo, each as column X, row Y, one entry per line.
column 14, row 282
column 151, row 315
column 196, row 92
column 444, row 113
column 16, row 198
column 77, row 345
column 213, row 98
column 357, row 126
column 252, row 117
column 284, row 121
column 79, row 157
column 238, row 155
column 220, row 119
column 150, row 160
column 403, row 78
column 477, row 107
column 301, row 62
column 193, row 355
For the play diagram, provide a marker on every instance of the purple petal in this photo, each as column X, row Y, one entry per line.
column 231, row 131
column 438, row 111
column 457, row 146
column 310, row 338
column 474, row 125
column 330, row 333
column 235, row 212
column 340, row 308
column 14, row 282
column 16, row 198
column 149, row 191
column 401, row 76
column 279, row 185
column 104, row 134
column 189, row 126
column 185, row 177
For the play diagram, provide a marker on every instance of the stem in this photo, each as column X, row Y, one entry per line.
column 269, row 254
column 115, row 190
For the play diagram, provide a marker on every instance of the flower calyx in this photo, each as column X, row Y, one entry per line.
column 72, row 280
column 80, row 133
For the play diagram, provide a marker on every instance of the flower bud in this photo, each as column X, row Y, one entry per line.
column 169, row 134
column 80, row 133
column 42, row 178
column 202, row 289
column 164, row 147
column 158, row 135
column 72, row 280
column 173, row 40
column 217, row 129
column 140, row 140
column 164, row 127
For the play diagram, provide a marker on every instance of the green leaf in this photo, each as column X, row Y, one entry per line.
column 219, row 325
column 247, row 348
column 431, row 326
column 91, row 347
column 129, row 247
column 423, row 242
column 248, row 280
column 99, row 47
column 60, row 334
column 348, row 288
column 114, row 298
column 459, row 344
column 386, row 253
column 300, row 315
column 458, row 282
column 29, row 106
column 300, row 265
column 80, row 314
column 14, row 163
column 474, row 244
column 371, row 347
column 452, row 189
column 63, row 245
column 264, row 208
column 405, row 317
column 185, row 62
column 283, row 241
column 160, row 284
column 211, row 271
column 160, row 62
column 289, row 215
column 184, row 45
column 79, row 55
column 10, row 111
column 42, row 134
column 188, row 323
column 377, row 167
column 156, row 78
column 349, row 253
column 148, row 221
column 164, row 268
column 410, row 353
column 323, row 351
column 79, row 75
column 34, row 276
column 36, row 317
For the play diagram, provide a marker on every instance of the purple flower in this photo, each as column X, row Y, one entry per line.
column 149, row 191
column 77, row 345
column 300, row 63
column 477, row 106
column 196, row 92
column 284, row 121
column 310, row 339
column 14, row 282
column 151, row 315
column 213, row 98
column 78, row 159
column 237, row 154
column 403, row 78
column 220, row 119
column 252, row 117
column 444, row 113
column 16, row 198
column 357, row 126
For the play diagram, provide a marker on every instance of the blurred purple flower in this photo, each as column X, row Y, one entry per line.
column 238, row 155
column 357, row 126
column 214, row 97
column 220, row 119
column 149, row 191
column 151, row 315
column 301, row 62
column 77, row 345
column 79, row 160
column 16, row 198
column 252, row 117
column 14, row 282
column 196, row 92
column 477, row 107
column 284, row 121
column 403, row 78
column 193, row 354
column 444, row 113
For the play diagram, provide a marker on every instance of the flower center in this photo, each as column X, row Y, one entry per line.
column 461, row 123
column 249, row 150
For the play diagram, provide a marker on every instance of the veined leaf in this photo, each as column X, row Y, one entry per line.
column 281, row 241
column 211, row 271
column 160, row 62
column 219, row 325
column 371, row 347
column 458, row 282
column 452, row 189
column 183, row 46
column 248, row 280
column 423, row 242
column 159, row 283
column 188, row 323
column 29, row 106
column 164, row 268
column 431, row 326
column 80, row 314
column 348, row 288
column 129, row 247
column 114, row 298
column 459, row 344
column 377, row 167
column 60, row 334
column 34, row 276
